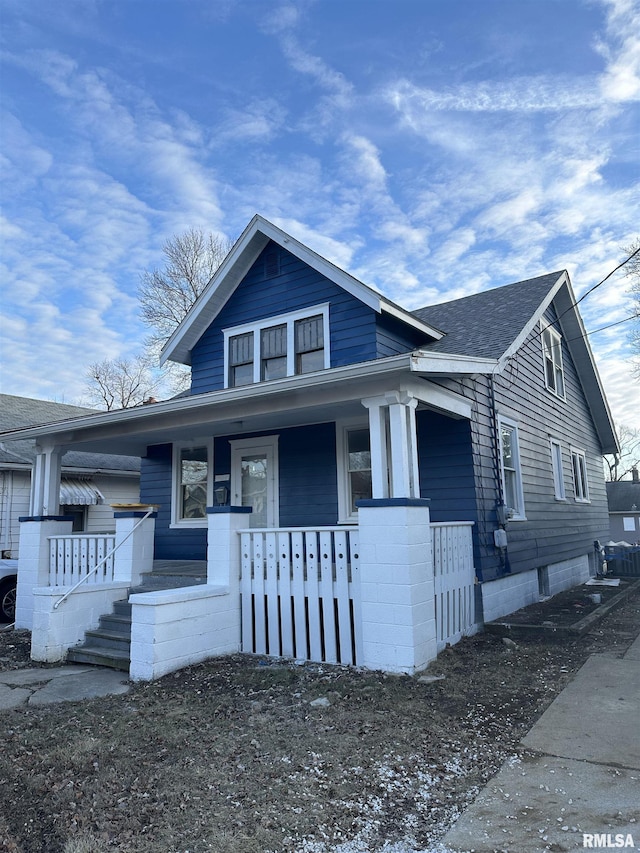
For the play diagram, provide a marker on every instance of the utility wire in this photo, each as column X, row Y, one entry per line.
column 591, row 289
column 602, row 328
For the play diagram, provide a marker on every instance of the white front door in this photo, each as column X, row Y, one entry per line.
column 254, row 478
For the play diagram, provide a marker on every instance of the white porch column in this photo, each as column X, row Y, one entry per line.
column 134, row 555
column 45, row 482
column 33, row 560
column 397, row 587
column 379, row 447
column 394, row 453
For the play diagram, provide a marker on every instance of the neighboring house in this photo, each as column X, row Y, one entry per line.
column 320, row 404
column 624, row 510
column 89, row 483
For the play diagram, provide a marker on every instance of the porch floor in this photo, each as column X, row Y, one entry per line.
column 186, row 568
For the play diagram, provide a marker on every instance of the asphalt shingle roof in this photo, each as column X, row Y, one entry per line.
column 16, row 412
column 622, row 495
column 486, row 324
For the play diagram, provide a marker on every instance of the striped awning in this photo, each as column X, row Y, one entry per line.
column 79, row 493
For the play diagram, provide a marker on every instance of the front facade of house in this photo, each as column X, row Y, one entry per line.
column 314, row 399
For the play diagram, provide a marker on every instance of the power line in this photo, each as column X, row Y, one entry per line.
column 591, row 289
column 602, row 328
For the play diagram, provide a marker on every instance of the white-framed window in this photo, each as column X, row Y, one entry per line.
column 552, row 356
column 579, row 469
column 192, row 489
column 510, row 470
column 353, row 450
column 286, row 345
column 556, row 467
column 629, row 524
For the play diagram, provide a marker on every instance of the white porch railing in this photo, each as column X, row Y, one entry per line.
column 75, row 556
column 454, row 577
column 300, row 593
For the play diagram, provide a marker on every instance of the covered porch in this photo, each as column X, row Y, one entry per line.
column 382, row 587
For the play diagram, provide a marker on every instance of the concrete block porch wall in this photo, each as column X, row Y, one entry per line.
column 397, row 584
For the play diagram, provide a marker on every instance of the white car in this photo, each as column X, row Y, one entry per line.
column 8, row 584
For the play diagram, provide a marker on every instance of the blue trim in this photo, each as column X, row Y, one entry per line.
column 45, row 518
column 212, row 510
column 134, row 513
column 382, row 502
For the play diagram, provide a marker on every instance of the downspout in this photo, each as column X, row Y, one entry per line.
column 500, row 533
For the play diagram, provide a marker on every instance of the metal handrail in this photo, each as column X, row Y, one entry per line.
column 103, row 560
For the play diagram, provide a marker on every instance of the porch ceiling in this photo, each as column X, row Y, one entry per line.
column 313, row 398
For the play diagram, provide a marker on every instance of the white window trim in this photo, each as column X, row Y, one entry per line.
column 558, row 470
column 345, row 516
column 176, row 521
column 518, row 515
column 261, row 443
column 554, row 334
column 277, row 320
column 580, row 454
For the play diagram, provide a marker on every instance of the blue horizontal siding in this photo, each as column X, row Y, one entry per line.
column 155, row 488
column 307, row 479
column 307, row 473
column 298, row 286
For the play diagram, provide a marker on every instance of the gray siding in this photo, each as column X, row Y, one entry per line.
column 554, row 530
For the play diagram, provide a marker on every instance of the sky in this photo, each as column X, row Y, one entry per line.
column 432, row 148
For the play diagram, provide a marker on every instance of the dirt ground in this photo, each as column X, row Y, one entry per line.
column 233, row 756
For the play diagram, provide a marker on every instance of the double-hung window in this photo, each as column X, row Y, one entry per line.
column 556, row 467
column 241, row 359
column 511, row 473
column 552, row 354
column 281, row 346
column 191, row 491
column 354, row 467
column 580, row 481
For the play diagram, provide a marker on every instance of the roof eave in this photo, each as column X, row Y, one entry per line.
column 236, row 265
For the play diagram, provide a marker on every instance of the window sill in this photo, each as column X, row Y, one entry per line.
column 561, row 397
column 582, row 500
column 518, row 518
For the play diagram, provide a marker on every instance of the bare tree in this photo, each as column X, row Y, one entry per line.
column 121, row 383
column 619, row 465
column 166, row 295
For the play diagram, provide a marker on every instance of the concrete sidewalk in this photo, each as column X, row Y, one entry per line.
column 44, row 686
column 581, row 776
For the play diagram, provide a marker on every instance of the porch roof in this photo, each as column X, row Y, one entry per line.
column 295, row 400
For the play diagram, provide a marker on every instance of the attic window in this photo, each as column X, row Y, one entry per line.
column 271, row 262
column 552, row 354
column 277, row 347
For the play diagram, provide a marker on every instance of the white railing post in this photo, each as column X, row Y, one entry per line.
column 396, row 584
column 33, row 562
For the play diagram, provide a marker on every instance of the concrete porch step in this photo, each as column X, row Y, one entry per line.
column 113, row 658
column 105, row 639
column 110, row 644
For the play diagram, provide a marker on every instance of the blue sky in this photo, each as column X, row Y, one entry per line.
column 433, row 148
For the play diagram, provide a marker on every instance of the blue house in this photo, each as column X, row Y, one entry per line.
column 319, row 407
